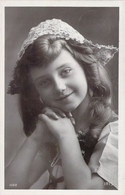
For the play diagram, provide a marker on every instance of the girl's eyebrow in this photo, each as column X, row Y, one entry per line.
column 63, row 65
column 40, row 77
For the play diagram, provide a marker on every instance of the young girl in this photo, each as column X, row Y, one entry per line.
column 65, row 104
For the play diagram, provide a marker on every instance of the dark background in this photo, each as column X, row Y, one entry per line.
column 99, row 24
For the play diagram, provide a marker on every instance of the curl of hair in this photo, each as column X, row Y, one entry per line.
column 45, row 49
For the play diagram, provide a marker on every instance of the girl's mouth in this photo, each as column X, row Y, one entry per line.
column 63, row 97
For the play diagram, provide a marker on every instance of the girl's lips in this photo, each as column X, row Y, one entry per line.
column 64, row 97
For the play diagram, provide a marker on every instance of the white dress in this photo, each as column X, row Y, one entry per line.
column 103, row 161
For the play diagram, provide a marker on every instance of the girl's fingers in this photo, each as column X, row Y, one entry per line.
column 72, row 121
column 44, row 118
column 59, row 112
column 70, row 116
column 50, row 113
column 54, row 113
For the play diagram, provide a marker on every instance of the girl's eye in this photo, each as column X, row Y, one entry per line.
column 44, row 83
column 66, row 72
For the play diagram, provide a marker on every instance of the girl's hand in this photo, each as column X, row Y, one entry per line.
column 41, row 134
column 55, row 113
column 60, row 127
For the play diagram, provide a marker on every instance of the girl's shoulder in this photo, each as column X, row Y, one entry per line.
column 104, row 159
column 111, row 129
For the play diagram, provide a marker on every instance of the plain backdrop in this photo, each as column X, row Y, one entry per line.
column 99, row 24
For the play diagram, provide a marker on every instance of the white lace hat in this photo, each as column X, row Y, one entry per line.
column 63, row 30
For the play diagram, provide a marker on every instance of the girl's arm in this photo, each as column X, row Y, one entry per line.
column 77, row 174
column 25, row 168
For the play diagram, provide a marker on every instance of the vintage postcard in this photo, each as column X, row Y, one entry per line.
column 62, row 97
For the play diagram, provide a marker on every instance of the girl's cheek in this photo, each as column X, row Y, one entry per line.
column 45, row 92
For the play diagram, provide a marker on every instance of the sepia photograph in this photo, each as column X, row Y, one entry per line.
column 61, row 98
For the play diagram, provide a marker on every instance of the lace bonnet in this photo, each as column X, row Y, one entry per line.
column 63, row 30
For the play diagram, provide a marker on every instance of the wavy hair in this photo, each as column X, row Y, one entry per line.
column 45, row 49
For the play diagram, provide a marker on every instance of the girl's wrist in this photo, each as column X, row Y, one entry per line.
column 65, row 137
column 32, row 143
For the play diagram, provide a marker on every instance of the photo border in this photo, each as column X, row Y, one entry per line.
column 121, row 106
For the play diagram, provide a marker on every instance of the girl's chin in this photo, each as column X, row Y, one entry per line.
column 68, row 109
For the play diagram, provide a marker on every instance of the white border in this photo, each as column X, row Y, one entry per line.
column 79, row 3
column 61, row 3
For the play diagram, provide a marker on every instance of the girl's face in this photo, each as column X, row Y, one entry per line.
column 61, row 83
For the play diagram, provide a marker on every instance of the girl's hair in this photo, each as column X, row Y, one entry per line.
column 45, row 49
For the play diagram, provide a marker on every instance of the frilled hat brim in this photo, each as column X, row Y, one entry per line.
column 63, row 30
column 102, row 53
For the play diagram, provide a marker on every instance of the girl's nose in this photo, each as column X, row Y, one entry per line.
column 59, row 86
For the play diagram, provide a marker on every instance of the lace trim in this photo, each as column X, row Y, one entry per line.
column 52, row 27
column 63, row 30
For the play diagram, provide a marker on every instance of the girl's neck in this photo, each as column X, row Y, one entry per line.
column 81, row 115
